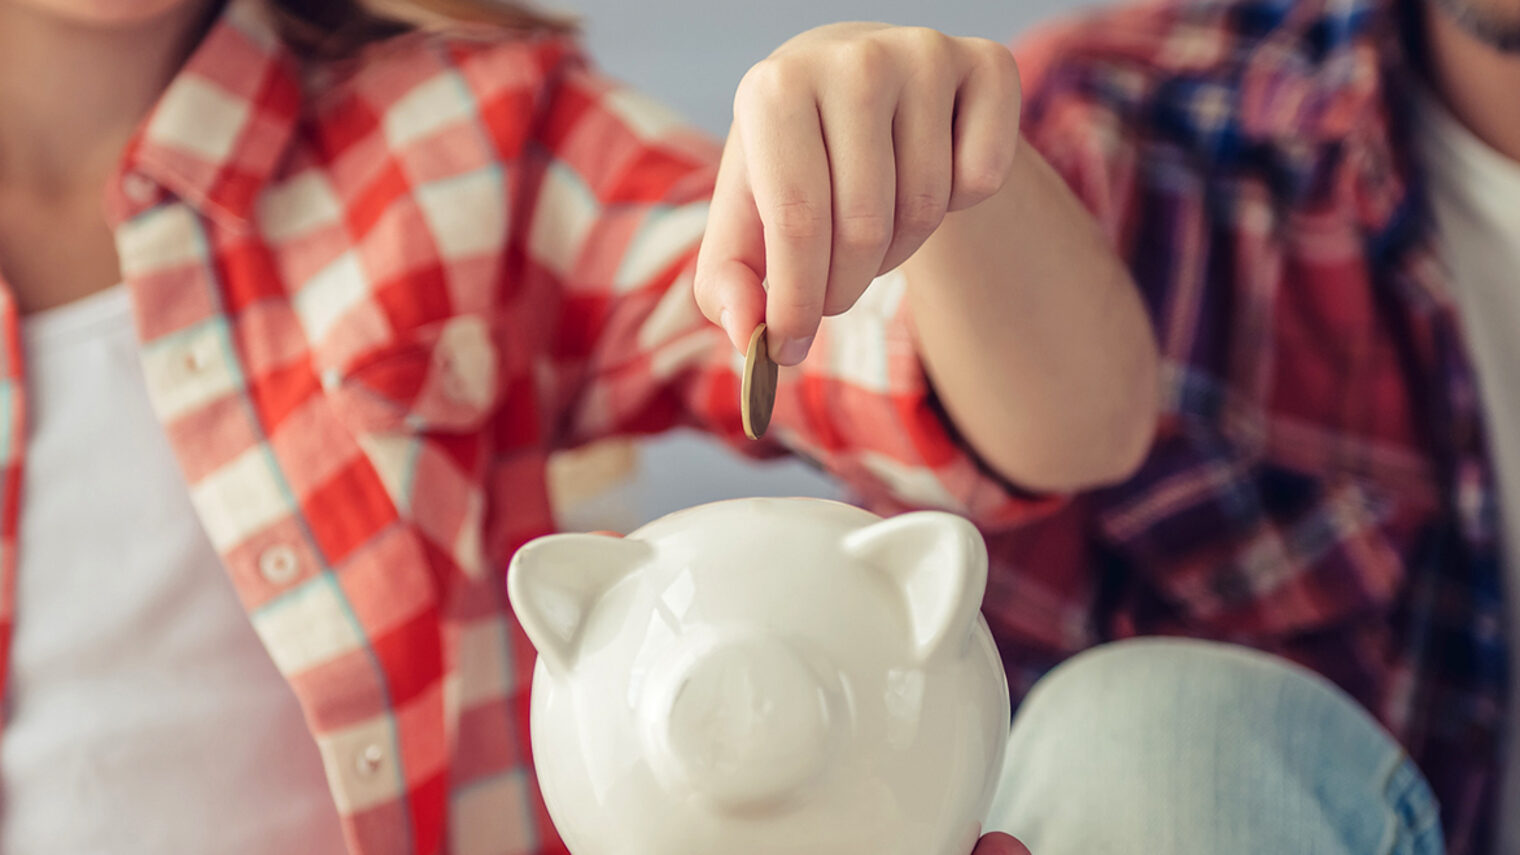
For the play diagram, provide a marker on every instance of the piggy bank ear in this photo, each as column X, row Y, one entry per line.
column 554, row 583
column 939, row 562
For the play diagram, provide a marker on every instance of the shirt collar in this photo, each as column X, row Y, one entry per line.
column 1329, row 88
column 220, row 128
column 1319, row 78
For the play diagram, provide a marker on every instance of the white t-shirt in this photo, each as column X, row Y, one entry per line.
column 144, row 716
column 1475, row 196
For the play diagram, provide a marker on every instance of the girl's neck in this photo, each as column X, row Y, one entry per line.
column 72, row 92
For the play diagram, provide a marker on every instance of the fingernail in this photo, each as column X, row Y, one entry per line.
column 793, row 350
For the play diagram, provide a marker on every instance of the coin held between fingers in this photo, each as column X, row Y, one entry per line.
column 757, row 392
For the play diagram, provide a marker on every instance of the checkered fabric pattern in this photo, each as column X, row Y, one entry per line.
column 1320, row 487
column 373, row 299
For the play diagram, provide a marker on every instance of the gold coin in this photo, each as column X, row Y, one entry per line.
column 757, row 391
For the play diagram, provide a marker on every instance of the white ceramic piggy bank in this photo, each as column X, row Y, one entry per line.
column 765, row 677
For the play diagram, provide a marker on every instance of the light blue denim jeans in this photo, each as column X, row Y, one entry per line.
column 1172, row 747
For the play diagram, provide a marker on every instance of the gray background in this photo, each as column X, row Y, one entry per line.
column 691, row 54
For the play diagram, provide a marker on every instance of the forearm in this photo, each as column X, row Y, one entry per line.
column 1035, row 337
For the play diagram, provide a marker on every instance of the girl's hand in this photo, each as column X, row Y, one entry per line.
column 849, row 144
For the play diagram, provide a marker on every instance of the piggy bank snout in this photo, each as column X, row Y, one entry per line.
column 743, row 726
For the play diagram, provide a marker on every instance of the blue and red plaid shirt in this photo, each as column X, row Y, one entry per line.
column 1320, row 487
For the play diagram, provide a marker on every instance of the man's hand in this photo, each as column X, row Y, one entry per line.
column 849, row 145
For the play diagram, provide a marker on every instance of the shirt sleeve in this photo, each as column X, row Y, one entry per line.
column 1253, row 518
column 618, row 202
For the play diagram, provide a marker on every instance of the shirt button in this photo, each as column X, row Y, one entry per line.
column 454, row 387
column 369, row 760
column 198, row 357
column 279, row 565
column 138, row 188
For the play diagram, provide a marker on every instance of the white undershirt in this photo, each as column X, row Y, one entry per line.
column 144, row 716
column 1475, row 194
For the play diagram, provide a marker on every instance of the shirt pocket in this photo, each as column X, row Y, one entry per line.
column 440, row 376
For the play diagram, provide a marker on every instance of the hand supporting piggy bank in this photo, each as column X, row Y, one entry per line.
column 765, row 677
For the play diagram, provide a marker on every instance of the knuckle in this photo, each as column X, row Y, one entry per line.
column 1004, row 60
column 1007, row 65
column 930, row 45
column 863, row 230
column 836, row 306
column 839, row 300
column 702, row 289
column 799, row 220
column 744, row 94
column 795, row 316
column 768, row 82
column 980, row 181
column 866, row 60
column 983, row 173
column 1004, row 65
column 1004, row 148
column 921, row 211
column 991, row 50
column 924, row 38
column 802, row 309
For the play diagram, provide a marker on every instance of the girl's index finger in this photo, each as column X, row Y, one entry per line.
column 789, row 177
column 731, row 261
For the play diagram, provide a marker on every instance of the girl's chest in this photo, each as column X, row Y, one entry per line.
column 341, row 412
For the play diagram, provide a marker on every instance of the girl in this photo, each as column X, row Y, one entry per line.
column 358, row 272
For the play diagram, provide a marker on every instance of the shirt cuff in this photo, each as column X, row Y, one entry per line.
column 862, row 407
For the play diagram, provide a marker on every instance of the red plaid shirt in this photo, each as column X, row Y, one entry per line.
column 373, row 299
column 1320, row 487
